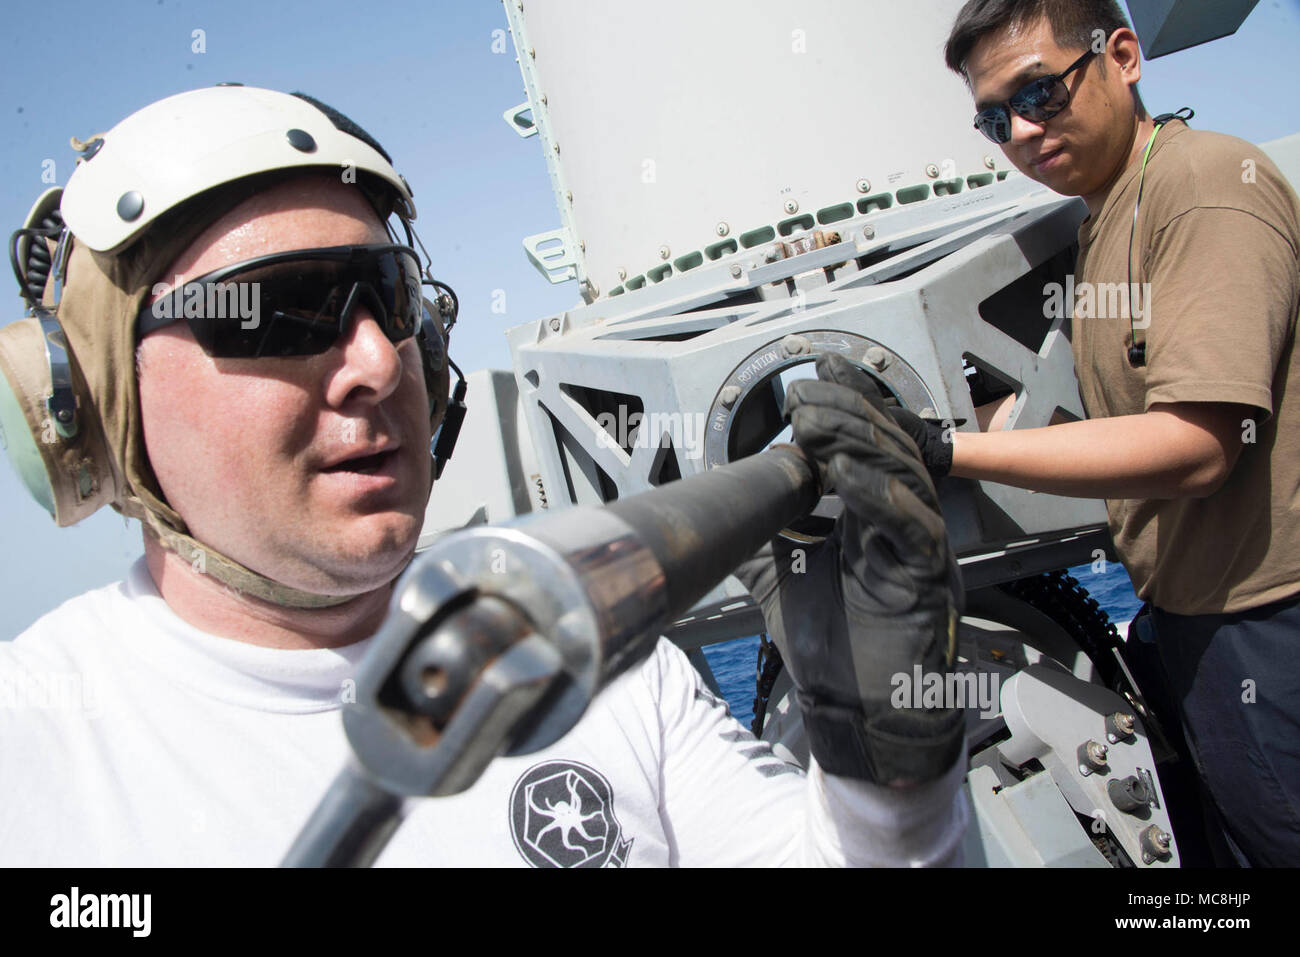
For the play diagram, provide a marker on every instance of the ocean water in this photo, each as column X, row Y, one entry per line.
column 734, row 662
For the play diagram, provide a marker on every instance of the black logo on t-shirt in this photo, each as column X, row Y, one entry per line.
column 562, row 815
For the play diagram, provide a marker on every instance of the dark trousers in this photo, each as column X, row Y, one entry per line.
column 1234, row 681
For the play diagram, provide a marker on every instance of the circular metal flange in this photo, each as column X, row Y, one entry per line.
column 761, row 365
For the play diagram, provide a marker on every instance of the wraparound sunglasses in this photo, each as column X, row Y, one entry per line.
column 296, row 303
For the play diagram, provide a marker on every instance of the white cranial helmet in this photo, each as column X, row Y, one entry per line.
column 187, row 144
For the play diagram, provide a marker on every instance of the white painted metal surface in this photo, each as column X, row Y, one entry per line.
column 673, row 123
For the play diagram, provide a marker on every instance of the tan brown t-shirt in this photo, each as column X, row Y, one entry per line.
column 1218, row 240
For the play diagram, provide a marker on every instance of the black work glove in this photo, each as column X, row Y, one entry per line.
column 879, row 596
column 933, row 439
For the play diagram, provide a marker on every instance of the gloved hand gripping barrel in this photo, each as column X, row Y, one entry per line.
column 497, row 638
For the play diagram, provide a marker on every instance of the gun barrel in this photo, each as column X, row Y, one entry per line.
column 702, row 527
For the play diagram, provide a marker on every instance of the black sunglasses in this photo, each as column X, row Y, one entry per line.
column 297, row 303
column 1037, row 101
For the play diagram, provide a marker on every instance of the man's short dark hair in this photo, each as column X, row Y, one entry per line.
column 1073, row 23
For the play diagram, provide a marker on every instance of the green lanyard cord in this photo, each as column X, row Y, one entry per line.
column 1137, row 353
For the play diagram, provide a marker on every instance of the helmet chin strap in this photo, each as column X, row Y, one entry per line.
column 232, row 574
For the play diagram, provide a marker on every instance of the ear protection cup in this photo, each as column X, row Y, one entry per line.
column 68, row 470
column 20, row 418
column 71, row 477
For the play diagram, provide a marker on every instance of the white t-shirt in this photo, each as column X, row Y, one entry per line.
column 130, row 738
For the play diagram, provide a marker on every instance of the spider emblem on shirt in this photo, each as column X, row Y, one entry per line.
column 562, row 815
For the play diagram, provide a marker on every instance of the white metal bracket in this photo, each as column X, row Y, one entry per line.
column 520, row 119
column 554, row 254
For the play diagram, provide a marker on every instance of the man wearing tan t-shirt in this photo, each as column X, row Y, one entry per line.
column 1192, row 436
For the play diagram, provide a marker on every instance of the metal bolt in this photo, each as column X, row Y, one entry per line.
column 543, row 99
column 931, row 171
column 557, row 148
column 664, row 252
column 988, row 162
column 729, row 395
column 1119, row 725
column 555, row 324
column 792, row 206
column 735, row 272
column 864, row 186
column 722, row 229
column 868, row 232
column 796, row 345
column 877, row 357
column 1154, row 842
column 582, row 245
column 1097, row 752
column 569, row 195
column 622, row 273
column 532, row 53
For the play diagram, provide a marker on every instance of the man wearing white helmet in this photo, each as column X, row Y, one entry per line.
column 274, row 442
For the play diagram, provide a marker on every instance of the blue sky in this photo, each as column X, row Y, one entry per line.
column 422, row 78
